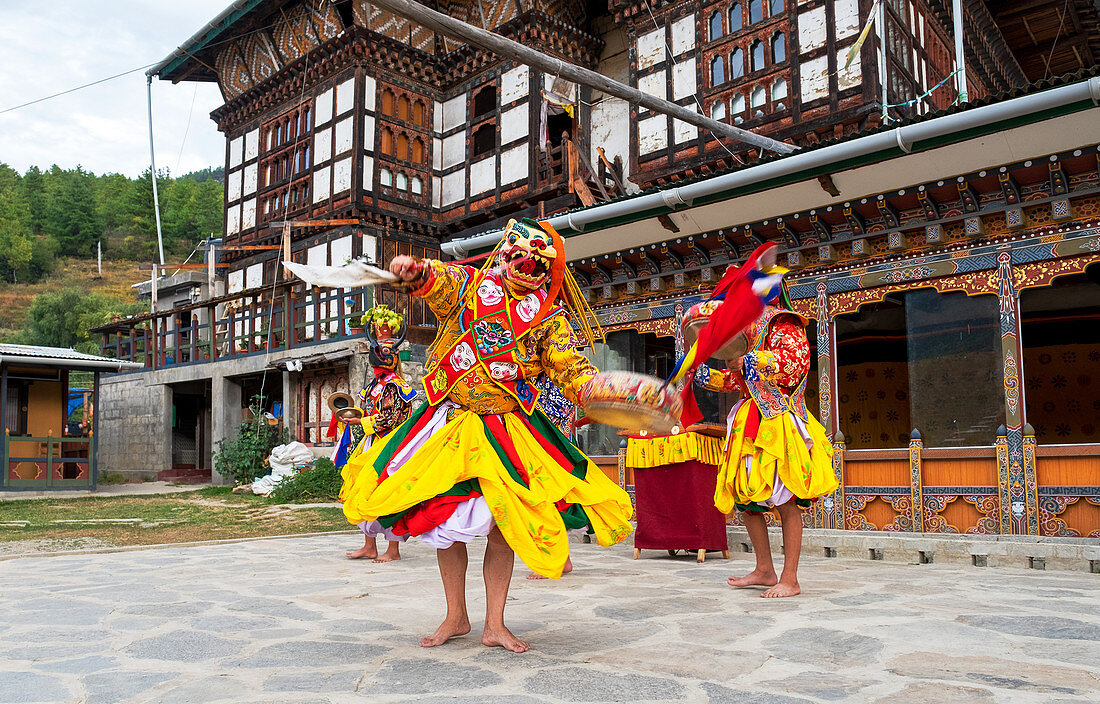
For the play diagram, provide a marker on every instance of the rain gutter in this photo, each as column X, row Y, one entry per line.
column 105, row 364
column 906, row 139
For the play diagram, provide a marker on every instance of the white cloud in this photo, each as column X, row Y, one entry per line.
column 46, row 48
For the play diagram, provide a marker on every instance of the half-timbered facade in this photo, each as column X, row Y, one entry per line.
column 936, row 247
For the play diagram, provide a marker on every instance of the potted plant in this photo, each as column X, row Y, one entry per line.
column 202, row 350
column 355, row 323
column 387, row 323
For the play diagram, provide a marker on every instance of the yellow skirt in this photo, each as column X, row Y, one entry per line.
column 470, row 447
column 778, row 447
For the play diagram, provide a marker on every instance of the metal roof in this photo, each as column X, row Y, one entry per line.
column 60, row 357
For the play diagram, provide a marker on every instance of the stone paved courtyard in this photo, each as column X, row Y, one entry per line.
column 291, row 620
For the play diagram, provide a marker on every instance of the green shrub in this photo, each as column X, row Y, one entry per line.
column 316, row 484
column 244, row 457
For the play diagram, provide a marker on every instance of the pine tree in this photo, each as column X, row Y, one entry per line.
column 16, row 243
column 71, row 214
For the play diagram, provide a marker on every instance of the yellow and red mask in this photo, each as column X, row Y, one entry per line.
column 529, row 254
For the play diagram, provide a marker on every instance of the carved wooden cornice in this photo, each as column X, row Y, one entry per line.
column 399, row 62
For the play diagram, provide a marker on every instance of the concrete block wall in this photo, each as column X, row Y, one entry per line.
column 133, row 426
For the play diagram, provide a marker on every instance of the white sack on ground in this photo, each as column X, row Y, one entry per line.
column 285, row 460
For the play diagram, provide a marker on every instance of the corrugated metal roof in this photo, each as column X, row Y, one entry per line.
column 59, row 355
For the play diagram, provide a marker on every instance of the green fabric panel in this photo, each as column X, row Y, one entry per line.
column 547, row 429
column 574, row 517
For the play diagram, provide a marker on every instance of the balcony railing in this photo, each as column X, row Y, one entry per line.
column 282, row 316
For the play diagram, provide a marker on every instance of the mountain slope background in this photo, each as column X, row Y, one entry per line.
column 51, row 223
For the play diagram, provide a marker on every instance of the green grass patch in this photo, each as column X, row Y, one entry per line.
column 211, row 513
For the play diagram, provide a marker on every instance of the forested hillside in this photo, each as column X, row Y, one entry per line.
column 50, row 224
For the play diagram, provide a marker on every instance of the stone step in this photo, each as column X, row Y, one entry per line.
column 184, row 476
column 1014, row 551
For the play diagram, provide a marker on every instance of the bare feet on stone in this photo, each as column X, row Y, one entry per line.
column 782, row 589
column 363, row 552
column 392, row 554
column 564, row 570
column 503, row 637
column 446, row 631
column 756, row 578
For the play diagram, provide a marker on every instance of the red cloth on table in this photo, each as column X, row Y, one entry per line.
column 675, row 508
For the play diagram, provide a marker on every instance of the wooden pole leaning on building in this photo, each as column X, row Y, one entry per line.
column 502, row 46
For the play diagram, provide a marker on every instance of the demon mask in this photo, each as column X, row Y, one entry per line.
column 384, row 354
column 528, row 254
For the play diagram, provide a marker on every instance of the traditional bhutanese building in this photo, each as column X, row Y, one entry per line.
column 942, row 249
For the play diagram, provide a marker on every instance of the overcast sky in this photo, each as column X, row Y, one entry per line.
column 48, row 47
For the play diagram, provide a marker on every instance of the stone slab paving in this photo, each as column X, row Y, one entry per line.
column 293, row 621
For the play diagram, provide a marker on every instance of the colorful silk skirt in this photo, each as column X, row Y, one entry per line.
column 448, row 475
column 770, row 461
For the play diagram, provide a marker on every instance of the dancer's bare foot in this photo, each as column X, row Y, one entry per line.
column 782, row 589
column 445, row 632
column 564, row 570
column 754, row 579
column 503, row 637
column 392, row 554
column 363, row 552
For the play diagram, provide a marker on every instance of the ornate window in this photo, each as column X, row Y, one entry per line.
column 737, row 108
column 402, row 147
column 416, row 185
column 417, row 151
column 737, row 64
column 385, row 177
column 715, row 26
column 385, row 141
column 485, row 101
column 718, row 110
column 403, row 108
column 779, row 47
column 759, row 101
column 717, row 71
column 419, row 116
column 756, row 11
column 402, row 182
column 484, row 139
column 737, row 20
column 757, row 50
column 775, row 7
column 387, row 102
column 779, row 93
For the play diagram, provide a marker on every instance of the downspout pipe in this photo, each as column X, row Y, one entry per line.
column 904, row 138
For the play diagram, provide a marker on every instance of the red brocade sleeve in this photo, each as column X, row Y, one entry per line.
column 790, row 350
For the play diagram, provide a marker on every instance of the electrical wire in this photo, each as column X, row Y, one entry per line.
column 187, row 129
column 73, row 90
column 234, row 38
